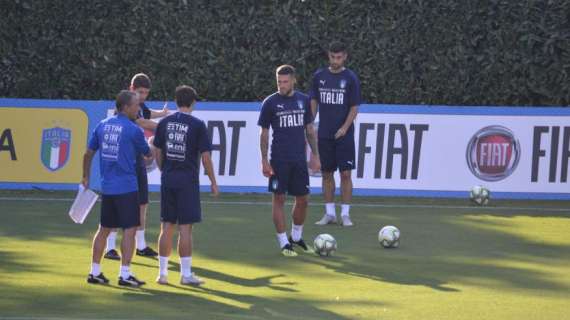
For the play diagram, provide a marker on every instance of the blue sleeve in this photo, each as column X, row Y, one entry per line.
column 308, row 112
column 204, row 143
column 141, row 146
column 265, row 115
column 314, row 90
column 159, row 135
column 94, row 141
column 354, row 97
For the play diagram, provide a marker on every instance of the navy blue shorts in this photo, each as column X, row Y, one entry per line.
column 180, row 205
column 337, row 153
column 120, row 210
column 142, row 180
column 289, row 177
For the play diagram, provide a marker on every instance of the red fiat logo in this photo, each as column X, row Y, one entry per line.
column 493, row 153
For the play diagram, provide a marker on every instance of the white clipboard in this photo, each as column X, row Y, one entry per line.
column 82, row 204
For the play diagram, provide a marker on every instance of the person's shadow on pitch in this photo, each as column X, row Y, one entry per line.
column 265, row 282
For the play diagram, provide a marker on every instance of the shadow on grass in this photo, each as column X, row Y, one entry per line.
column 437, row 250
column 259, row 282
column 111, row 302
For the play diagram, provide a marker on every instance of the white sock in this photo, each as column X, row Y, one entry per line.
column 186, row 266
column 282, row 238
column 141, row 243
column 345, row 210
column 95, row 269
column 296, row 232
column 111, row 240
column 163, row 266
column 124, row 272
column 330, row 209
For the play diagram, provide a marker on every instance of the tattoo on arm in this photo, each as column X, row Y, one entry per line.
column 312, row 138
column 264, row 143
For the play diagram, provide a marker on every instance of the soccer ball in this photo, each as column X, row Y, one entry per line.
column 480, row 195
column 325, row 244
column 389, row 237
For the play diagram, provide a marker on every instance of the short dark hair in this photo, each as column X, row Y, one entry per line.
column 185, row 96
column 140, row 80
column 124, row 98
column 337, row 47
column 285, row 70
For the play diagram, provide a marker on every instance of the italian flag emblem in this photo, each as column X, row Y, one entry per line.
column 55, row 148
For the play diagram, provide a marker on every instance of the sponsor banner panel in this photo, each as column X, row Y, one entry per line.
column 400, row 150
column 43, row 145
column 417, row 152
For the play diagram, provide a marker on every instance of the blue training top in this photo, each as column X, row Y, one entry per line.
column 120, row 142
column 182, row 139
column 287, row 116
column 335, row 94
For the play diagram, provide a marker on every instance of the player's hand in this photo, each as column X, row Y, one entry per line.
column 340, row 133
column 315, row 163
column 85, row 182
column 266, row 168
column 215, row 190
column 148, row 159
column 165, row 110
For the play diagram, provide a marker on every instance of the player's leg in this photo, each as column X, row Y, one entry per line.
column 278, row 185
column 111, row 248
column 185, row 252
column 108, row 220
column 164, row 250
column 278, row 211
column 129, row 219
column 189, row 213
column 345, row 155
column 142, row 248
column 169, row 220
column 328, row 167
column 299, row 187
column 346, row 196
column 99, row 240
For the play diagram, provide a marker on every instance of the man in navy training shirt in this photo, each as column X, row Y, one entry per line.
column 335, row 93
column 287, row 112
column 140, row 83
column 180, row 140
column 119, row 141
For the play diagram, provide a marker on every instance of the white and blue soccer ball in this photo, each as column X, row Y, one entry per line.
column 324, row 244
column 480, row 195
column 389, row 237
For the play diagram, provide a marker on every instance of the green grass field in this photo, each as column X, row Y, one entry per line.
column 510, row 260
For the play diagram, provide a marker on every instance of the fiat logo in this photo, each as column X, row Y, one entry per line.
column 493, row 153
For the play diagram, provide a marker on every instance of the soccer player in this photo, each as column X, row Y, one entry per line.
column 140, row 83
column 335, row 93
column 287, row 112
column 181, row 140
column 119, row 142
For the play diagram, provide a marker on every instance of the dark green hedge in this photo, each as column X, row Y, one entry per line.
column 477, row 52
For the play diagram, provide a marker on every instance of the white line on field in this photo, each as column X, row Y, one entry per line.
column 362, row 205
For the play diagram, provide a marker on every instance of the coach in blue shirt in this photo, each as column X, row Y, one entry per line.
column 119, row 142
